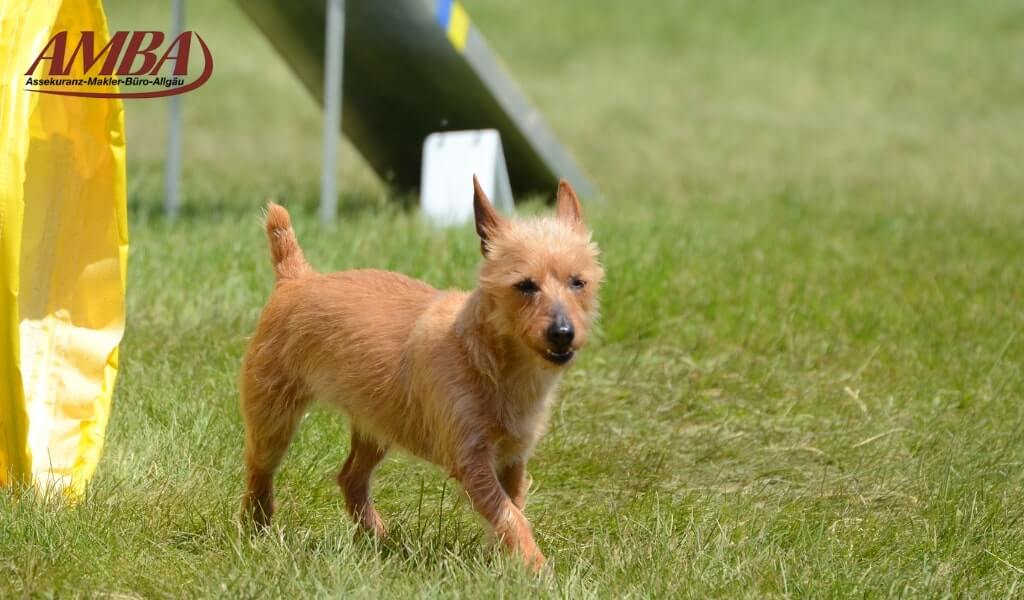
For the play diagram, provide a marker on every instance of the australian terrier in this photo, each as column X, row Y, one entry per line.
column 464, row 380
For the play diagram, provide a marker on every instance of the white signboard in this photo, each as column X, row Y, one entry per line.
column 450, row 159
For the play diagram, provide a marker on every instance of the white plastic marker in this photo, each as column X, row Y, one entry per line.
column 450, row 160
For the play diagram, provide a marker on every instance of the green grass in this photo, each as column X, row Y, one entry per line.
column 809, row 377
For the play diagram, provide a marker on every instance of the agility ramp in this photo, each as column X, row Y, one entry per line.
column 412, row 68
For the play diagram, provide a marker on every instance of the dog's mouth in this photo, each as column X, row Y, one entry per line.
column 559, row 358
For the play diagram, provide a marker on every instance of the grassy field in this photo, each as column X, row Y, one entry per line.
column 810, row 376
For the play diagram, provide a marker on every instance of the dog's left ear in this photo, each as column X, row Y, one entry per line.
column 488, row 220
column 568, row 206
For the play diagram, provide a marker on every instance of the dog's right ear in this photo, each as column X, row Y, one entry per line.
column 488, row 220
column 567, row 205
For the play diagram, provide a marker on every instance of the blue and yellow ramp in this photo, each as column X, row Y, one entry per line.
column 411, row 68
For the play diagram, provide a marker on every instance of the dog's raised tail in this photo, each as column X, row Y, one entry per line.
column 285, row 252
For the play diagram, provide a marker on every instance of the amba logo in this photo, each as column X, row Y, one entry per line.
column 64, row 70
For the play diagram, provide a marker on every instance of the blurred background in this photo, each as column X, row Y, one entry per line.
column 672, row 100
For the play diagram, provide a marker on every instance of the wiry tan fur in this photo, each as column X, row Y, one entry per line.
column 459, row 379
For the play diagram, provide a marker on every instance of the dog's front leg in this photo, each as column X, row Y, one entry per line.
column 513, row 480
column 490, row 500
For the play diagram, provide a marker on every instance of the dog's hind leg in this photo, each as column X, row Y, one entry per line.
column 354, row 480
column 271, row 417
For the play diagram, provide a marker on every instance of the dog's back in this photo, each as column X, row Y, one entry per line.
column 342, row 330
column 343, row 338
column 318, row 323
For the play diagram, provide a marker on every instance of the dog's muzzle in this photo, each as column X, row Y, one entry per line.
column 560, row 335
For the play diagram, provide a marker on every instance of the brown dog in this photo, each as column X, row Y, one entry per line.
column 463, row 380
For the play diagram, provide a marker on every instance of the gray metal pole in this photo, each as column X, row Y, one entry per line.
column 172, row 175
column 333, row 61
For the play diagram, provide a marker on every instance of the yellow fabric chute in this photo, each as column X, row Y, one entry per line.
column 63, row 256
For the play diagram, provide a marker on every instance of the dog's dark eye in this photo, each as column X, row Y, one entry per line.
column 577, row 284
column 527, row 287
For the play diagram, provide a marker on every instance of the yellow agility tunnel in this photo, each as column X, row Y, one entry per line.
column 63, row 256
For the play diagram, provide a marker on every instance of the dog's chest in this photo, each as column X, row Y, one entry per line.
column 522, row 417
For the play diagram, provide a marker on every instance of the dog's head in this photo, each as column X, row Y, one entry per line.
column 540, row 276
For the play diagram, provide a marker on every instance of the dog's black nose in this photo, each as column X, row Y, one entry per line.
column 561, row 333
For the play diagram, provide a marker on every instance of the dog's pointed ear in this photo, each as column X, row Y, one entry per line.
column 568, row 206
column 488, row 220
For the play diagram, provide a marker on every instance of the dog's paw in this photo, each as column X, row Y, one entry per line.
column 257, row 514
column 535, row 561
